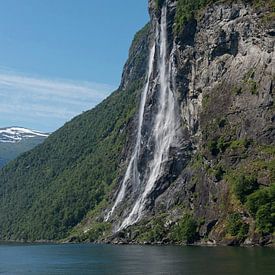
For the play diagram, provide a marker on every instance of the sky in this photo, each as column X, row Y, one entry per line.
column 59, row 58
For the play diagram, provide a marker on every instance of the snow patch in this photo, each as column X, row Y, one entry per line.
column 16, row 134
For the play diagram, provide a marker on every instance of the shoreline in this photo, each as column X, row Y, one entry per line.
column 199, row 244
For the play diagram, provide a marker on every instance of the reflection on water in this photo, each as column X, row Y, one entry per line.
column 110, row 259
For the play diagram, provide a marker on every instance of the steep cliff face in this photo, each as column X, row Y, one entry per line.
column 202, row 152
column 228, row 107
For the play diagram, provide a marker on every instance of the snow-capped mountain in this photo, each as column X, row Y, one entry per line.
column 16, row 134
column 17, row 140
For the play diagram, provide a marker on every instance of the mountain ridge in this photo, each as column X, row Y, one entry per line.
column 15, row 134
column 17, row 140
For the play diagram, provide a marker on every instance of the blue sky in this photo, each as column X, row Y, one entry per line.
column 61, row 57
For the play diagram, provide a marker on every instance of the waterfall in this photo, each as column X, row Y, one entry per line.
column 164, row 126
column 162, row 134
column 132, row 169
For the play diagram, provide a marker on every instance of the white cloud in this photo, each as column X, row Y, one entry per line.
column 35, row 98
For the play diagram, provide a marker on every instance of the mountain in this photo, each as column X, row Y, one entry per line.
column 17, row 140
column 182, row 152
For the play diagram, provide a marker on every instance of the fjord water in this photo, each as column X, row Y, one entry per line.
column 111, row 259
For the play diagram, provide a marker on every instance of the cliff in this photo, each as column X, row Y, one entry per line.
column 203, row 151
column 182, row 152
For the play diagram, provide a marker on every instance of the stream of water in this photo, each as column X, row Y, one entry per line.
column 163, row 132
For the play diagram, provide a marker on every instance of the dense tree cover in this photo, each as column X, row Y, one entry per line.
column 244, row 185
column 47, row 191
column 236, row 226
column 185, row 230
column 261, row 205
column 9, row 151
column 258, row 200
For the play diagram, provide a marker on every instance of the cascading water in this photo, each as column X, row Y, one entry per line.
column 132, row 169
column 164, row 127
column 162, row 134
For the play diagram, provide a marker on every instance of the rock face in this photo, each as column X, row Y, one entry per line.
column 219, row 70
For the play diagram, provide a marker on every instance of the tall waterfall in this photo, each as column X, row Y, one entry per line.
column 162, row 134
column 132, row 169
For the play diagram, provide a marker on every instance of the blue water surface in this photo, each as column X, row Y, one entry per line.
column 134, row 259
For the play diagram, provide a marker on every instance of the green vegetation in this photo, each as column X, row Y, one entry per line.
column 186, row 10
column 270, row 4
column 219, row 145
column 198, row 162
column 212, row 146
column 258, row 200
column 236, row 226
column 260, row 166
column 249, row 75
column 249, row 81
column 97, row 231
column 61, row 180
column 268, row 149
column 9, row 151
column 237, row 90
column 139, row 50
column 46, row 192
column 253, row 87
column 139, row 36
column 189, row 9
column 239, row 144
column 205, row 101
column 261, row 205
column 243, row 185
column 217, row 171
column 159, row 3
column 152, row 232
column 185, row 230
column 269, row 18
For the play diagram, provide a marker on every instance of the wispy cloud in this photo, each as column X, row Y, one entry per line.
column 49, row 101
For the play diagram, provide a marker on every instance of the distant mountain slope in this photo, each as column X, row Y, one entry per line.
column 16, row 140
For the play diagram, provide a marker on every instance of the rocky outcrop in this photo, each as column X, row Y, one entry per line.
column 225, row 85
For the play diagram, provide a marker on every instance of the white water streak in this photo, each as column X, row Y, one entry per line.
column 164, row 128
column 132, row 168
